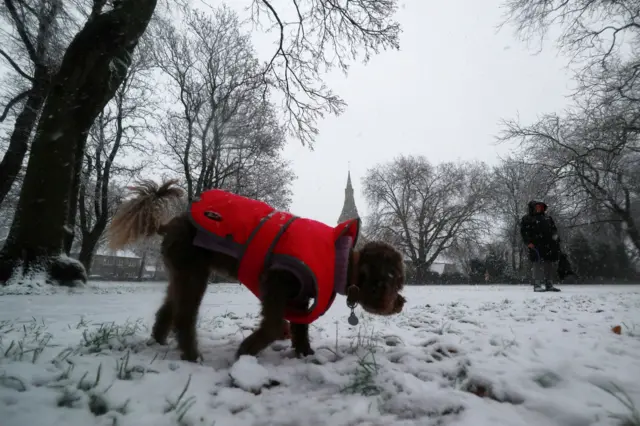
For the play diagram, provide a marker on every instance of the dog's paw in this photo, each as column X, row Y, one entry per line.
column 190, row 356
column 304, row 351
column 156, row 341
column 253, row 344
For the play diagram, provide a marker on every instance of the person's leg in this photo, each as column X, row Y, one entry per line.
column 537, row 275
column 549, row 275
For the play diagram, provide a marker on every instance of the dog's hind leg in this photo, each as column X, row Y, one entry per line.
column 187, row 296
column 164, row 319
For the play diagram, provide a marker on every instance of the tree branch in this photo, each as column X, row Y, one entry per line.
column 22, row 31
column 12, row 102
column 15, row 66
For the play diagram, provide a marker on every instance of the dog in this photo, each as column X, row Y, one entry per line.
column 305, row 262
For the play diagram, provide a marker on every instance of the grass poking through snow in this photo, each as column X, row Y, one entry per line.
column 632, row 416
column 363, row 381
column 111, row 336
column 181, row 405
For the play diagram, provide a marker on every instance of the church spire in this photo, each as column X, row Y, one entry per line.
column 349, row 210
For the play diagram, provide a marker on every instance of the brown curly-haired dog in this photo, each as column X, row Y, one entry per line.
column 373, row 278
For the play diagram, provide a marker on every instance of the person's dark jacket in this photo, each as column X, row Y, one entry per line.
column 540, row 230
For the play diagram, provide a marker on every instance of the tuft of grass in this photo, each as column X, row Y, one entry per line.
column 63, row 379
column 632, row 417
column 13, row 382
column 126, row 372
column 445, row 327
column 363, row 341
column 98, row 405
column 82, row 323
column 69, row 398
column 85, row 392
column 181, row 405
column 63, row 357
column 547, row 379
column 32, row 342
column 123, row 408
column 364, row 378
column 505, row 344
column 88, row 385
column 110, row 335
column 633, row 330
column 6, row 326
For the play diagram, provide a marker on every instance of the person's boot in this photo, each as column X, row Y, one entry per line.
column 550, row 287
column 537, row 287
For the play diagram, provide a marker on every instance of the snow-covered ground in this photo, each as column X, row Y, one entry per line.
column 462, row 355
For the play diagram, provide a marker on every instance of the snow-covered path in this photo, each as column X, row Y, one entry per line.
column 457, row 355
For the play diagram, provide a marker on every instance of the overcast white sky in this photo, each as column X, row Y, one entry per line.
column 441, row 96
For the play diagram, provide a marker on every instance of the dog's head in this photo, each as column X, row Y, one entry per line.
column 379, row 277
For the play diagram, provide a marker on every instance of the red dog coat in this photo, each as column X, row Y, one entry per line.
column 262, row 238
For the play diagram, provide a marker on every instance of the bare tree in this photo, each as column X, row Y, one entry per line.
column 92, row 209
column 596, row 161
column 32, row 51
column 425, row 209
column 120, row 129
column 316, row 36
column 94, row 66
column 466, row 251
column 224, row 129
column 592, row 31
column 269, row 180
column 256, row 149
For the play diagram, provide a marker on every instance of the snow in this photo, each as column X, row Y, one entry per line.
column 457, row 355
column 117, row 253
column 248, row 375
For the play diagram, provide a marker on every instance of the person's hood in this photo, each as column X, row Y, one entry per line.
column 532, row 206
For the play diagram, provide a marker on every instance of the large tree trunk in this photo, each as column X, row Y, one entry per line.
column 88, row 250
column 143, row 263
column 22, row 130
column 422, row 272
column 74, row 190
column 93, row 67
column 515, row 247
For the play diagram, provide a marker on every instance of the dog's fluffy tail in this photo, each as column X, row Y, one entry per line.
column 143, row 215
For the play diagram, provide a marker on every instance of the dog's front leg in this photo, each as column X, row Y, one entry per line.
column 274, row 304
column 300, row 340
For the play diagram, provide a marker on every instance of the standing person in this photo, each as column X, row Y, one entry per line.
column 540, row 235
